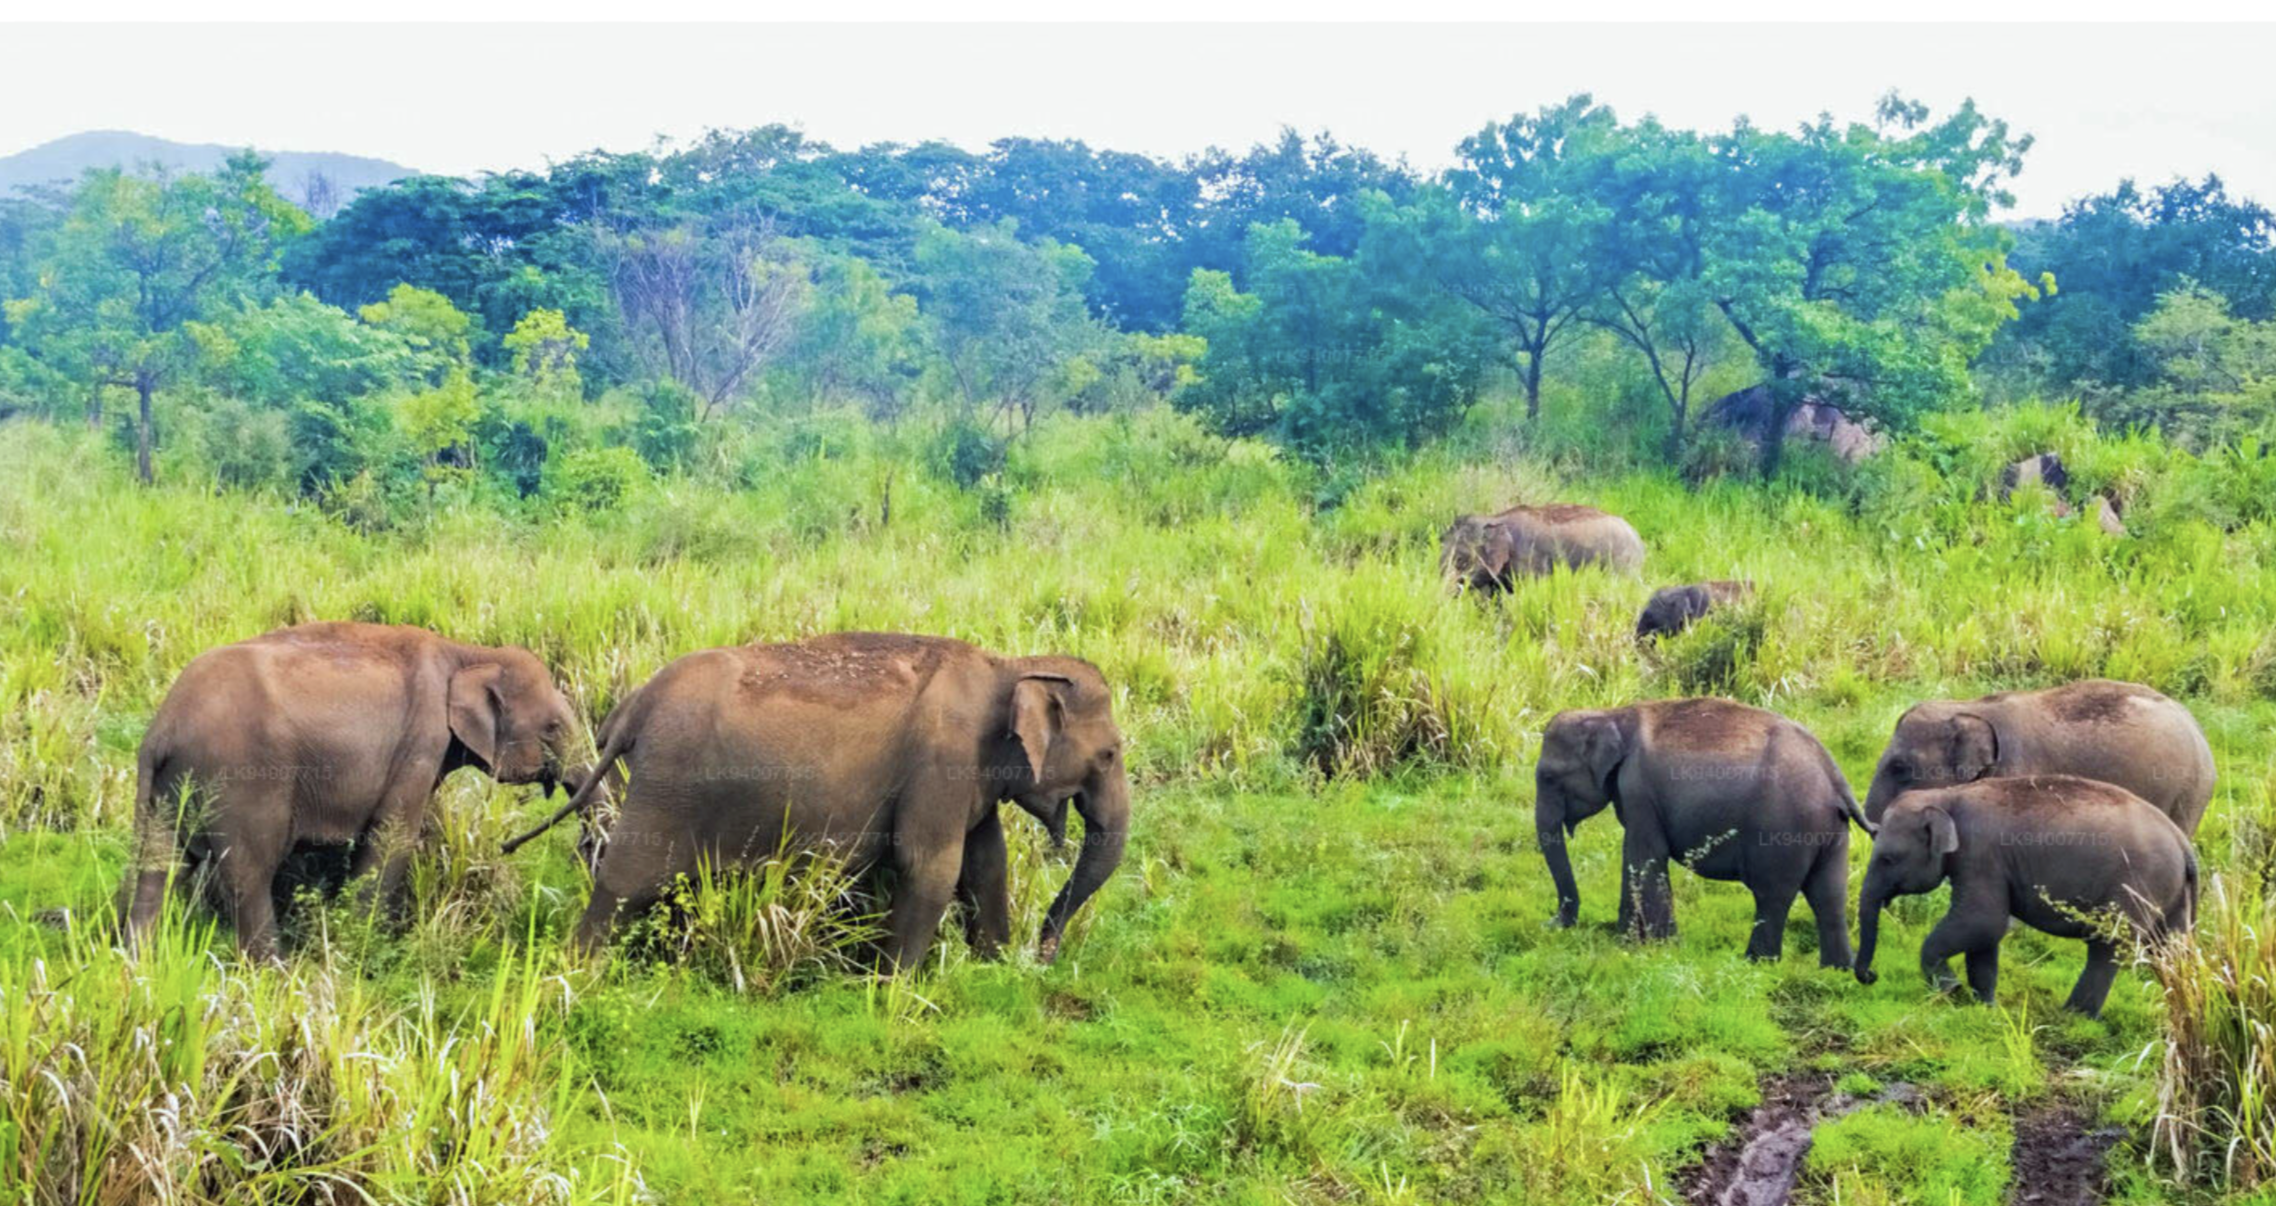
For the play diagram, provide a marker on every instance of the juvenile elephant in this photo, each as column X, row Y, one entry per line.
column 2120, row 733
column 1673, row 608
column 888, row 749
column 1488, row 552
column 1734, row 792
column 2062, row 854
column 333, row 735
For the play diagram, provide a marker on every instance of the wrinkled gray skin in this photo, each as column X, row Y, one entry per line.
column 327, row 735
column 888, row 749
column 1490, row 552
column 2059, row 853
column 2120, row 733
column 1673, row 608
column 1736, row 793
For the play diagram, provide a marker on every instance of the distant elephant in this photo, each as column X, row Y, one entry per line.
column 1673, row 608
column 2062, row 854
column 2045, row 469
column 1735, row 793
column 332, row 735
column 2120, row 733
column 1488, row 552
column 887, row 749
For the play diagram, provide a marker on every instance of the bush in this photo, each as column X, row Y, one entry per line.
column 595, row 479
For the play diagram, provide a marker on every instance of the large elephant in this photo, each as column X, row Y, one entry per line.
column 2120, row 733
column 2064, row 855
column 328, row 735
column 1489, row 552
column 888, row 749
column 1735, row 793
column 1674, row 608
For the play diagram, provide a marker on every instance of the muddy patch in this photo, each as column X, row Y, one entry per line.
column 1757, row 1165
column 2059, row 1157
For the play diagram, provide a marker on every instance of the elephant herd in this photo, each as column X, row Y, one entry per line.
column 2070, row 808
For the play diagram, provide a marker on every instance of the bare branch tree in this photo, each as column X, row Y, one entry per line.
column 720, row 302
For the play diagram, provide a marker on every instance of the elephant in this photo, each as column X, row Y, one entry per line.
column 888, row 749
column 1488, row 552
column 2120, row 733
column 2060, row 853
column 1734, row 792
column 327, row 734
column 1673, row 608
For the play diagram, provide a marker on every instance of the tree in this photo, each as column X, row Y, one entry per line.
column 1006, row 317
column 1327, row 354
column 1859, row 261
column 545, row 349
column 717, row 297
column 135, row 260
column 1518, row 232
column 439, row 334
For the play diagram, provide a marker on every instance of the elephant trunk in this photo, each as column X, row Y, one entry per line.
column 1550, row 830
column 1869, row 927
column 1106, row 826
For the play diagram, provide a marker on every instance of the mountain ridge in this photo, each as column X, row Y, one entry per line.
column 317, row 180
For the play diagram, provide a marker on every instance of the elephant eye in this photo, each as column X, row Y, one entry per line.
column 1902, row 770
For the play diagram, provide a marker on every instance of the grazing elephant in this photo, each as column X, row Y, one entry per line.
column 2065, row 855
column 332, row 735
column 1488, row 552
column 1673, row 608
column 2119, row 733
column 1734, row 792
column 892, row 750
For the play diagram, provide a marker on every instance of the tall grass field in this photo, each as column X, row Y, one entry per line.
column 1323, row 973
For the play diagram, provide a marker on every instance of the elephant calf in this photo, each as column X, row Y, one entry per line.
column 1735, row 793
column 892, row 750
column 2120, row 733
column 1488, row 552
column 327, row 734
column 2068, row 856
column 1674, row 608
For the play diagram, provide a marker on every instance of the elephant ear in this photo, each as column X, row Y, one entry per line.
column 1036, row 717
column 1696, row 601
column 1604, row 745
column 1498, row 549
column 1972, row 747
column 474, row 709
column 1943, row 835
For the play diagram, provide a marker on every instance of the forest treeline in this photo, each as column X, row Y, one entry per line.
column 563, row 335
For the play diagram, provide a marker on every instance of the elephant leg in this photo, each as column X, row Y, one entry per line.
column 1645, row 889
column 1983, row 972
column 2093, row 985
column 984, row 889
column 389, row 842
column 247, row 865
column 636, row 867
column 1771, row 907
column 1961, row 930
column 1828, row 894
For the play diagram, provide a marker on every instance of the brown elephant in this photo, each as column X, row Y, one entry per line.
column 2062, row 854
column 1489, row 552
column 2121, row 733
column 1733, row 792
column 1674, row 608
column 327, row 735
column 891, row 750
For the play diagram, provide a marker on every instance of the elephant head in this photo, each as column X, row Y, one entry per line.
column 1580, row 754
column 1933, row 746
column 1909, row 858
column 510, row 720
column 1476, row 552
column 1068, row 749
column 1672, row 610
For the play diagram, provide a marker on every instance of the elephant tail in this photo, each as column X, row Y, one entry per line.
column 1847, row 804
column 616, row 742
column 2189, row 888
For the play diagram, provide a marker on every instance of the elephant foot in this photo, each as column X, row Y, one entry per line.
column 1563, row 921
column 1867, row 976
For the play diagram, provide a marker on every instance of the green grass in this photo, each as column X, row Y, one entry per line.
column 1322, row 973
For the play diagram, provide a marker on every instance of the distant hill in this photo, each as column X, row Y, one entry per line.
column 320, row 181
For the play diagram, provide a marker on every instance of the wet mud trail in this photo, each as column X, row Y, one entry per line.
column 1759, row 1163
column 2059, row 1158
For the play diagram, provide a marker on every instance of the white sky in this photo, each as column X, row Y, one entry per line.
column 2106, row 101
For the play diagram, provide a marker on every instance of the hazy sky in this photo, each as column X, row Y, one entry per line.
column 2105, row 101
